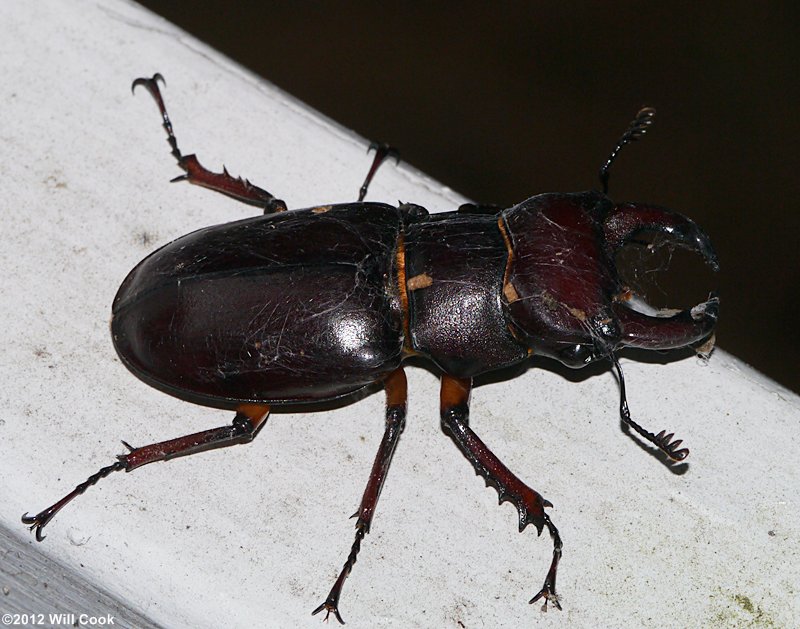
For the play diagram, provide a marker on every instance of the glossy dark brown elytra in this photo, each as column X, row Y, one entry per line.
column 313, row 305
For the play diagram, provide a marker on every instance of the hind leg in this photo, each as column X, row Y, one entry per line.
column 248, row 421
column 234, row 187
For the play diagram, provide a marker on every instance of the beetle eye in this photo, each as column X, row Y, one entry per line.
column 608, row 329
column 577, row 355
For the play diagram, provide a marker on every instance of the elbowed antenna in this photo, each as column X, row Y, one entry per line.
column 638, row 127
column 662, row 440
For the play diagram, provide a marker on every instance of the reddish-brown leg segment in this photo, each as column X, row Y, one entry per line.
column 235, row 187
column 248, row 421
column 395, row 385
column 382, row 151
column 530, row 505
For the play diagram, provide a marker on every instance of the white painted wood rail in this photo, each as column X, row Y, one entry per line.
column 254, row 536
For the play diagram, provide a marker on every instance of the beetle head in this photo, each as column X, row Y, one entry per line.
column 562, row 293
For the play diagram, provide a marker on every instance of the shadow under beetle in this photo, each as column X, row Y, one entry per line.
column 313, row 305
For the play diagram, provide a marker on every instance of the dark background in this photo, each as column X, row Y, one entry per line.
column 501, row 103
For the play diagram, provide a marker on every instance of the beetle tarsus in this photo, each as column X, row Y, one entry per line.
column 331, row 603
column 40, row 520
column 549, row 595
column 151, row 85
column 330, row 606
column 548, row 591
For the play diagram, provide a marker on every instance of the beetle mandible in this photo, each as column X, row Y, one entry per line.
column 359, row 287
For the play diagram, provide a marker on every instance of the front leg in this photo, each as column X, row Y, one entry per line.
column 530, row 505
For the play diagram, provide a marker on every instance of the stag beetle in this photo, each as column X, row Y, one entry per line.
column 316, row 304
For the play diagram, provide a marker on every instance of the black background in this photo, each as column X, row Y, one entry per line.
column 503, row 102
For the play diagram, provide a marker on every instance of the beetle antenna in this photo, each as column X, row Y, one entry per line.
column 637, row 128
column 662, row 440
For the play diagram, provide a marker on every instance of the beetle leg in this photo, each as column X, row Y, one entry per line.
column 530, row 504
column 382, row 151
column 235, row 187
column 395, row 385
column 248, row 421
